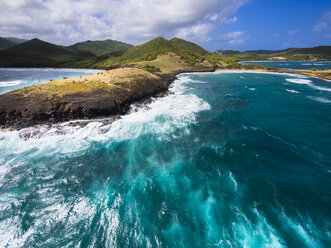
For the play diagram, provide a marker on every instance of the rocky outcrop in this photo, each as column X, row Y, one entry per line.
column 63, row 100
column 18, row 110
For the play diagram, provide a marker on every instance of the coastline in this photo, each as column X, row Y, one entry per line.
column 18, row 111
column 325, row 75
column 31, row 106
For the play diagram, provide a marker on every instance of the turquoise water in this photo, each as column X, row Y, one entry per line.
column 227, row 160
column 15, row 78
column 292, row 64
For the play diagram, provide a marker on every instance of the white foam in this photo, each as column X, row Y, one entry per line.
column 252, row 89
column 306, row 64
column 298, row 81
column 292, row 91
column 320, row 99
column 307, row 82
column 162, row 117
column 253, row 72
column 320, row 87
column 235, row 184
column 10, row 83
column 52, row 69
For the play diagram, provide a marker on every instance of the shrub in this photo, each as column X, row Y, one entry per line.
column 151, row 68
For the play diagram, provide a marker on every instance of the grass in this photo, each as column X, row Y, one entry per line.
column 167, row 63
column 59, row 88
column 90, row 54
column 294, row 54
column 151, row 68
column 149, row 51
column 125, row 79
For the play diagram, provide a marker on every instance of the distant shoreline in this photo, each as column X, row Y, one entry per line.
column 87, row 97
column 79, row 98
column 310, row 61
column 325, row 75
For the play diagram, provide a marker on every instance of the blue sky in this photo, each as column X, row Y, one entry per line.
column 280, row 24
column 214, row 24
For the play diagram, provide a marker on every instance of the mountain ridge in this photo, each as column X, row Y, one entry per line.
column 100, row 47
column 38, row 53
column 310, row 53
column 4, row 43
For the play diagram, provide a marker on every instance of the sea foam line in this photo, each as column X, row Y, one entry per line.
column 253, row 72
column 10, row 83
column 52, row 69
column 319, row 99
column 308, row 83
column 292, row 91
column 162, row 117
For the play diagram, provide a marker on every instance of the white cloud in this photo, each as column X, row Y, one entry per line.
column 321, row 26
column 232, row 20
column 295, row 31
column 324, row 23
column 197, row 32
column 66, row 21
column 291, row 44
column 234, row 38
column 276, row 35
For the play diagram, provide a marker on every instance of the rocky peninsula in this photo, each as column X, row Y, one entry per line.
column 104, row 94
column 130, row 75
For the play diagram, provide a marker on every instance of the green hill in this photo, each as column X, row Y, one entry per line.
column 4, row 43
column 38, row 53
column 188, row 51
column 16, row 40
column 100, row 47
column 314, row 53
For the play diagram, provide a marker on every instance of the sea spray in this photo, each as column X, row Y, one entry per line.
column 211, row 164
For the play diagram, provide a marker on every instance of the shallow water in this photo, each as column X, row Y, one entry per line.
column 228, row 160
column 304, row 65
column 15, row 78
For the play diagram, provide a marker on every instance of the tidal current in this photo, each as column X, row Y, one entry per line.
column 225, row 160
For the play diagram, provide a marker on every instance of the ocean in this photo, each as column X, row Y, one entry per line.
column 238, row 159
column 305, row 65
column 15, row 78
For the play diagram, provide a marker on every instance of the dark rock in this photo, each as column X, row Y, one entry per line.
column 18, row 111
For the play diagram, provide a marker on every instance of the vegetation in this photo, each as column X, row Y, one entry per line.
column 151, row 68
column 16, row 40
column 148, row 51
column 156, row 55
column 37, row 53
column 58, row 88
column 127, row 79
column 4, row 43
column 100, row 47
column 295, row 54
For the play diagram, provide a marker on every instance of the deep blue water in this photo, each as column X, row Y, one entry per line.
column 292, row 64
column 228, row 160
column 15, row 78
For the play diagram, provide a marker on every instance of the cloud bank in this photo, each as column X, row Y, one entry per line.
column 68, row 21
column 324, row 23
column 234, row 38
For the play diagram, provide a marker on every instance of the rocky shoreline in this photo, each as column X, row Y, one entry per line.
column 34, row 105
column 19, row 109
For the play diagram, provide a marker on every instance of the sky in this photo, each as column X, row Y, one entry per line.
column 213, row 24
